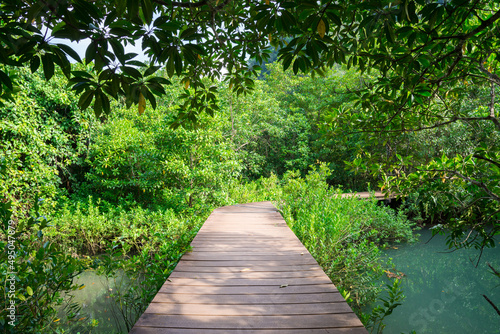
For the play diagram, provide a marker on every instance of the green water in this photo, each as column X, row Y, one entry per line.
column 98, row 305
column 444, row 289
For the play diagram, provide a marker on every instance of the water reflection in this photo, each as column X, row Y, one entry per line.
column 444, row 290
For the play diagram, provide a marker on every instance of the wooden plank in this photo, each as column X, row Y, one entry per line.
column 253, row 263
column 191, row 266
column 248, row 273
column 255, row 322
column 247, row 248
column 247, row 310
column 157, row 330
column 308, row 298
column 200, row 256
column 247, row 290
column 196, row 281
column 258, row 251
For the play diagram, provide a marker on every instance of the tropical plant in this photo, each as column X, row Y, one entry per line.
column 394, row 298
column 36, row 273
column 343, row 234
column 143, row 156
column 43, row 138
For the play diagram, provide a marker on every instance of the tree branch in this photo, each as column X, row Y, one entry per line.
column 492, row 304
column 477, row 156
column 468, row 179
column 383, row 129
column 183, row 4
column 484, row 24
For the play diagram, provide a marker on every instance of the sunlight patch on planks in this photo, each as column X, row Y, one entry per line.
column 248, row 273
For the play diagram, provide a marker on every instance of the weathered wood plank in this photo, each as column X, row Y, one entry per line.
column 253, row 263
column 248, row 310
column 245, row 290
column 200, row 256
column 190, row 266
column 249, row 275
column 307, row 298
column 257, row 322
column 156, row 330
column 196, row 281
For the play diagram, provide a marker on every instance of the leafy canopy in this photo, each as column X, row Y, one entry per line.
column 419, row 45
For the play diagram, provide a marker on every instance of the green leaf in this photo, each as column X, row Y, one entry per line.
column 424, row 93
column 160, row 80
column 185, row 34
column 105, row 103
column 332, row 16
column 90, row 53
column 389, row 32
column 178, row 63
column 5, row 79
column 147, row 10
column 118, row 49
column 82, row 74
column 85, row 99
column 98, row 104
column 296, row 66
column 151, row 70
column 29, row 291
column 287, row 61
column 69, row 51
column 170, row 66
column 134, row 73
column 34, row 64
column 288, row 20
column 48, row 66
column 424, row 62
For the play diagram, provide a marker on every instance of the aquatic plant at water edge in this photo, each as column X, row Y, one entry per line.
column 37, row 271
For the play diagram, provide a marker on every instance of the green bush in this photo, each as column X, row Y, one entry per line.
column 343, row 234
column 138, row 245
column 144, row 158
column 87, row 228
column 43, row 138
column 36, row 272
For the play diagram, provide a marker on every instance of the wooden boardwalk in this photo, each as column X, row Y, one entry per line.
column 248, row 273
column 377, row 194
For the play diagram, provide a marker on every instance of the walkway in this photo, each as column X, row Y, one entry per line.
column 248, row 273
column 377, row 194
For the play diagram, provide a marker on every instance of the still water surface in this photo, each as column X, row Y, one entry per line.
column 98, row 304
column 444, row 290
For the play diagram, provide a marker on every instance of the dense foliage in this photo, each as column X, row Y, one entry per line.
column 36, row 273
column 135, row 190
column 342, row 234
column 43, row 137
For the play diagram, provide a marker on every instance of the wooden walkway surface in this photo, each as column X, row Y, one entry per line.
column 377, row 194
column 248, row 273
